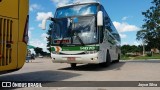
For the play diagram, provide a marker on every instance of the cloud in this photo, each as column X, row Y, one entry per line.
column 43, row 15
column 29, row 34
column 60, row 2
column 34, row 7
column 124, row 43
column 125, row 18
column 83, row 1
column 30, row 31
column 31, row 28
column 133, row 43
column 125, row 27
column 65, row 2
column 123, row 35
column 40, row 25
column 136, row 43
column 39, row 43
column 44, row 36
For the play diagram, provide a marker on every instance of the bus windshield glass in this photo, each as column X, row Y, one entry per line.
column 78, row 10
column 80, row 33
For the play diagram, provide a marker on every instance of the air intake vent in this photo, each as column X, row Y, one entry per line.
column 5, row 41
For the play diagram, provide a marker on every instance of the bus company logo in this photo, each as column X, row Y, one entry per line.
column 58, row 49
column 6, row 84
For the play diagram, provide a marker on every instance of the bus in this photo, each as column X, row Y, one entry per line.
column 83, row 33
column 13, row 34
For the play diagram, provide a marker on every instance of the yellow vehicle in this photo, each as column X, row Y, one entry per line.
column 13, row 33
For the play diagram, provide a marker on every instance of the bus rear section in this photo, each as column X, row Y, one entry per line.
column 13, row 33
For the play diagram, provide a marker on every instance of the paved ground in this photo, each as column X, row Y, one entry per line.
column 45, row 70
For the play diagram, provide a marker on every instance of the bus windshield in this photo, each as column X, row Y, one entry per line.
column 78, row 10
column 82, row 32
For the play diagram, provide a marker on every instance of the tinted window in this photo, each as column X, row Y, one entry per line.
column 78, row 10
column 109, row 25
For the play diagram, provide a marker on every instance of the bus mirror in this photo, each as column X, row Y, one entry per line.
column 44, row 24
column 100, row 18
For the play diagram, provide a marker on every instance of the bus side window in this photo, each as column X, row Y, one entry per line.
column 107, row 21
column 106, row 35
column 103, row 32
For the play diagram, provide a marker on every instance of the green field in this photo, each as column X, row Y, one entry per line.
column 155, row 56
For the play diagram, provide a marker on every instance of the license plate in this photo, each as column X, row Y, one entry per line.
column 71, row 58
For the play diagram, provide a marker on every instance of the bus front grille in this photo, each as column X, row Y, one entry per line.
column 5, row 41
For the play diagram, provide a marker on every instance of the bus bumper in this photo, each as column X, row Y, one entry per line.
column 79, row 59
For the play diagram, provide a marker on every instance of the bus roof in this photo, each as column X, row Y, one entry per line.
column 79, row 3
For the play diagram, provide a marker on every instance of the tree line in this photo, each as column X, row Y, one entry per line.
column 40, row 51
column 133, row 49
column 150, row 32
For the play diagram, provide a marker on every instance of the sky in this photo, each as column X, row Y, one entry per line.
column 126, row 15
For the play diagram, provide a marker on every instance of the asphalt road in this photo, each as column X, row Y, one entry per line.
column 44, row 70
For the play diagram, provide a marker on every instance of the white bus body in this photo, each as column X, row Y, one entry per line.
column 84, row 34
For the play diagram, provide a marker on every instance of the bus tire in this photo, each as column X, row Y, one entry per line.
column 73, row 65
column 108, row 59
column 117, row 61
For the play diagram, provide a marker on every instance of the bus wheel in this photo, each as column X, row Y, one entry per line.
column 117, row 61
column 73, row 65
column 108, row 59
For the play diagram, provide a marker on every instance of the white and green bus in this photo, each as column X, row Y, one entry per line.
column 83, row 33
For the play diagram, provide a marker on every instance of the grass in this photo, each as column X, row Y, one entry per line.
column 155, row 56
column 123, row 57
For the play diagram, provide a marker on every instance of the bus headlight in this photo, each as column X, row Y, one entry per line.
column 91, row 52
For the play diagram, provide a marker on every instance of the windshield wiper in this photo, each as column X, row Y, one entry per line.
column 80, row 40
column 72, row 34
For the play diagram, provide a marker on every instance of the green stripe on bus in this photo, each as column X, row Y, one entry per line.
column 77, row 48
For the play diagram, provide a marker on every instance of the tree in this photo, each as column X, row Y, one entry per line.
column 131, row 49
column 126, row 49
column 41, row 52
column 150, row 32
column 38, row 50
column 49, row 37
